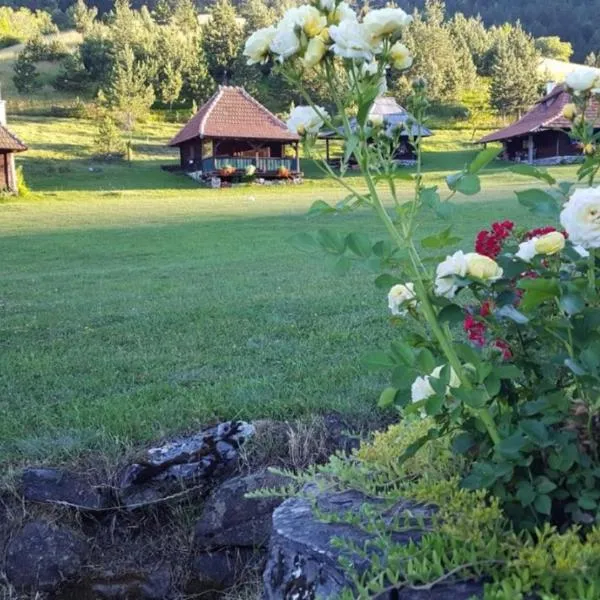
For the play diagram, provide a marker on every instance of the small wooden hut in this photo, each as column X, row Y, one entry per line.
column 9, row 145
column 234, row 131
column 541, row 136
column 395, row 117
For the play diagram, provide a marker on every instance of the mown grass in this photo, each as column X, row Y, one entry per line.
column 134, row 304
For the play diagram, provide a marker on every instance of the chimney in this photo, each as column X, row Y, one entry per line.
column 2, row 109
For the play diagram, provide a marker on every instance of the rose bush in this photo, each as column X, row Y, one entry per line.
column 499, row 345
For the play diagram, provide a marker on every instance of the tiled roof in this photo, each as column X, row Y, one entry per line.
column 233, row 113
column 9, row 141
column 546, row 114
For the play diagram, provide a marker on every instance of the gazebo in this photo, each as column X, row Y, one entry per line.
column 233, row 131
column 541, row 136
column 9, row 144
column 395, row 117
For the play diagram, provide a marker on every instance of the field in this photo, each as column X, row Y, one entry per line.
column 135, row 304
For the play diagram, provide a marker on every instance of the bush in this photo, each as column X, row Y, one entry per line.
column 26, row 76
column 37, row 49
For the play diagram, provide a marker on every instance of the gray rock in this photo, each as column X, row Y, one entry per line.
column 304, row 562
column 41, row 557
column 230, row 519
column 213, row 572
column 196, row 461
column 151, row 585
column 58, row 486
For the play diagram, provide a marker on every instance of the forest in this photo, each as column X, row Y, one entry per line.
column 568, row 19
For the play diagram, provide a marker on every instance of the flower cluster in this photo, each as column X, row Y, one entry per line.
column 489, row 243
column 312, row 33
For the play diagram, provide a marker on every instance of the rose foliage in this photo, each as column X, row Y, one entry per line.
column 498, row 343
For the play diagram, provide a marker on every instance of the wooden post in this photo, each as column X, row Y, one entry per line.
column 327, row 149
column 297, row 158
column 530, row 149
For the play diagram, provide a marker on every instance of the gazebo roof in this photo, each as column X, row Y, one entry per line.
column 10, row 142
column 234, row 113
column 394, row 116
column 546, row 114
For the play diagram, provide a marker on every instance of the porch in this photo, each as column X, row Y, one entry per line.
column 267, row 167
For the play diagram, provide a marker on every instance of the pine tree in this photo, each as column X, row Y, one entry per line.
column 257, row 14
column 26, row 76
column 171, row 83
column 83, row 17
column 222, row 40
column 129, row 95
column 108, row 143
column 593, row 60
column 554, row 47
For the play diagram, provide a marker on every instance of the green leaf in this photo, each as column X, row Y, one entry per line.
column 536, row 431
column 510, row 312
column 430, row 197
column 378, row 361
column 538, row 291
column 475, row 399
column 543, row 485
column 539, row 202
column 465, row 183
column 451, row 314
column 404, row 352
column 508, row 372
column 425, row 361
column 403, row 377
column 484, row 158
column 433, row 405
column 440, row 240
column 342, row 265
column 360, row 244
column 575, row 367
column 304, row 242
column 331, row 241
column 320, row 207
column 525, row 493
column 386, row 281
column 462, row 443
column 587, row 503
column 511, row 447
column 492, row 385
column 467, row 354
column 543, row 504
column 387, row 397
column 530, row 171
column 350, row 146
column 572, row 304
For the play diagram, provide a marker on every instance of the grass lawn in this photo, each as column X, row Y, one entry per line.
column 134, row 304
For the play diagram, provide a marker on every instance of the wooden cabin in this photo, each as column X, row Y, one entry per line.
column 234, row 131
column 9, row 145
column 395, row 118
column 541, row 136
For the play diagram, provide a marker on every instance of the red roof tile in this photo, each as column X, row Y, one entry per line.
column 233, row 113
column 546, row 114
column 9, row 141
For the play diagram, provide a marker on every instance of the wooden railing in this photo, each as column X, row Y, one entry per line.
column 262, row 164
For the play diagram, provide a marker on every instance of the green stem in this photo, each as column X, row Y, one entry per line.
column 592, row 272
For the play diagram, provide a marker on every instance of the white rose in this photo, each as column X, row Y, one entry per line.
column 581, row 251
column 326, row 5
column 285, row 42
column 527, row 250
column 305, row 119
column 385, row 21
column 315, row 51
column 453, row 266
column 308, row 18
column 343, row 12
column 400, row 56
column 258, row 45
column 350, row 40
column 401, row 295
column 581, row 217
column 483, row 267
column 421, row 389
column 582, row 79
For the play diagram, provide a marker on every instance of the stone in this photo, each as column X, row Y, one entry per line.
column 196, row 461
column 56, row 486
column 41, row 557
column 304, row 562
column 220, row 570
column 151, row 585
column 231, row 519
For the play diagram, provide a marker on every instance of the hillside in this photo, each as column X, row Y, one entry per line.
column 572, row 20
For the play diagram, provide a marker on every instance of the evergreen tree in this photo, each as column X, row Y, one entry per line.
column 129, row 95
column 171, row 83
column 83, row 17
column 108, row 143
column 257, row 14
column 593, row 60
column 471, row 32
column 222, row 40
column 26, row 76
column 163, row 12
